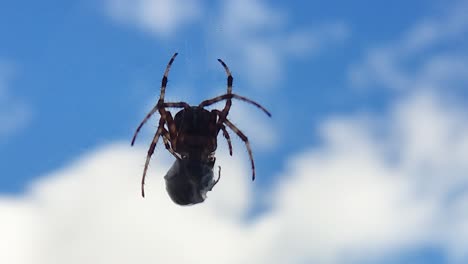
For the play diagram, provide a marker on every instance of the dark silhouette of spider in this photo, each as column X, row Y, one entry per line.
column 191, row 137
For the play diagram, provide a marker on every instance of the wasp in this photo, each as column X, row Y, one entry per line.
column 191, row 137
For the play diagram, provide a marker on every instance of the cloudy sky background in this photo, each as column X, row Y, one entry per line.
column 365, row 159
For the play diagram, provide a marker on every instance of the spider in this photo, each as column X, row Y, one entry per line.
column 191, row 137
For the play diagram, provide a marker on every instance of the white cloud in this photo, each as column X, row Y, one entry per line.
column 14, row 114
column 377, row 184
column 254, row 38
column 429, row 141
column 431, row 47
column 92, row 212
column 161, row 17
column 360, row 194
column 259, row 40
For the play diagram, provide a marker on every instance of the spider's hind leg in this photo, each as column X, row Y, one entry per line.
column 228, row 138
column 150, row 153
column 246, row 141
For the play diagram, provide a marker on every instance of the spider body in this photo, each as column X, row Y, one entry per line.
column 197, row 132
column 191, row 137
column 191, row 176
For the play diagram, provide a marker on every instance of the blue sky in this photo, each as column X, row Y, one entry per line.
column 378, row 86
column 77, row 72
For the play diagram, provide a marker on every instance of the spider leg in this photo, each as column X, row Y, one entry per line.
column 228, row 138
column 150, row 153
column 223, row 128
column 164, row 79
column 167, row 116
column 223, row 114
column 227, row 107
column 246, row 141
column 228, row 97
column 161, row 98
column 167, row 139
column 142, row 123
column 162, row 111
column 176, row 105
column 229, row 76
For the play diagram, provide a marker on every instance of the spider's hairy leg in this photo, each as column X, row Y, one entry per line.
column 150, row 153
column 167, row 117
column 227, row 106
column 246, row 141
column 228, row 96
column 176, row 105
column 229, row 76
column 161, row 98
column 228, row 138
column 143, row 122
column 164, row 79
column 223, row 128
column 235, row 96
column 166, row 137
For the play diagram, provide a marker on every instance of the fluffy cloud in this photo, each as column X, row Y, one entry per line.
column 91, row 211
column 255, row 38
column 362, row 193
column 14, row 115
column 427, row 56
column 377, row 184
column 161, row 17
column 427, row 136
column 260, row 41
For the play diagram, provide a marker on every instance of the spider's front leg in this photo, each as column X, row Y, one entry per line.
column 154, row 110
column 160, row 103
